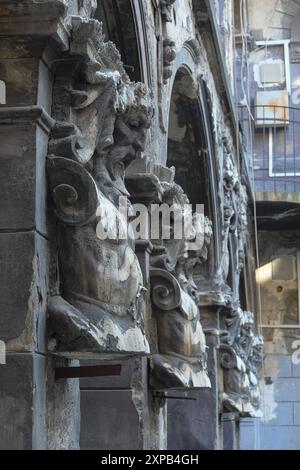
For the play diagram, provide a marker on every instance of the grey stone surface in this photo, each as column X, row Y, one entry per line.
column 29, row 18
column 284, row 415
column 21, row 78
column 297, row 414
column 193, row 424
column 122, row 381
column 229, row 431
column 281, row 438
column 111, row 422
column 284, row 365
column 16, row 279
column 23, row 289
column 251, row 431
column 296, row 370
column 123, row 403
column 63, row 408
column 22, row 179
column 287, row 389
column 22, row 402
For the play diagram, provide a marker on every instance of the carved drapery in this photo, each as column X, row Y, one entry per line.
column 181, row 360
column 101, row 124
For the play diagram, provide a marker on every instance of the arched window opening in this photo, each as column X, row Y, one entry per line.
column 119, row 27
column 189, row 152
column 187, row 147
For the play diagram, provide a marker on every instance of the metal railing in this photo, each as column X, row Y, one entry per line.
column 272, row 135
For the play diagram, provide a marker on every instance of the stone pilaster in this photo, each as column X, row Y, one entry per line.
column 32, row 34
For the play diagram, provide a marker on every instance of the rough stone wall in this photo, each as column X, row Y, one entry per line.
column 273, row 19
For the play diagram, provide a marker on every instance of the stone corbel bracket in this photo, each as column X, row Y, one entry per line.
column 236, row 394
column 180, row 364
column 82, row 326
column 102, row 118
column 240, row 356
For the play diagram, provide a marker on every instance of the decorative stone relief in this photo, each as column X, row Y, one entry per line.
column 101, row 124
column 166, row 51
column 181, row 359
column 86, row 8
column 169, row 54
column 241, row 358
column 234, row 212
column 242, row 223
column 167, row 10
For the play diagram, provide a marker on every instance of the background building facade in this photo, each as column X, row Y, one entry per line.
column 268, row 83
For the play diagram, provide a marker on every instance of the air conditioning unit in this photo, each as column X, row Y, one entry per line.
column 272, row 108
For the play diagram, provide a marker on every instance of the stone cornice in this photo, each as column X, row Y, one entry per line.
column 34, row 17
column 17, row 114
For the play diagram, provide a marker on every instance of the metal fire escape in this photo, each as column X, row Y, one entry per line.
column 275, row 140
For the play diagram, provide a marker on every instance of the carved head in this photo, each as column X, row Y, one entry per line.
column 208, row 233
column 230, row 177
column 245, row 339
column 133, row 118
column 166, row 9
column 257, row 351
column 233, row 325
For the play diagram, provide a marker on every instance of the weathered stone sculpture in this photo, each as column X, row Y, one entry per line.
column 181, row 362
column 102, row 119
column 166, row 9
column 231, row 186
column 241, row 357
column 169, row 55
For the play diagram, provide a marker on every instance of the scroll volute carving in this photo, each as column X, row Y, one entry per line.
column 181, row 360
column 102, row 121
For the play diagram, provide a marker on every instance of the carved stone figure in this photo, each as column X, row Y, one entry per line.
column 255, row 371
column 166, row 9
column 241, row 228
column 169, row 54
column 235, row 212
column 241, row 354
column 181, row 362
column 102, row 120
column 166, row 46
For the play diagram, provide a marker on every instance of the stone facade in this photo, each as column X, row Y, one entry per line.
column 90, row 112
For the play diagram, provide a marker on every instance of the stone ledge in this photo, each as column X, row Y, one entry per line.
column 38, row 17
column 17, row 114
